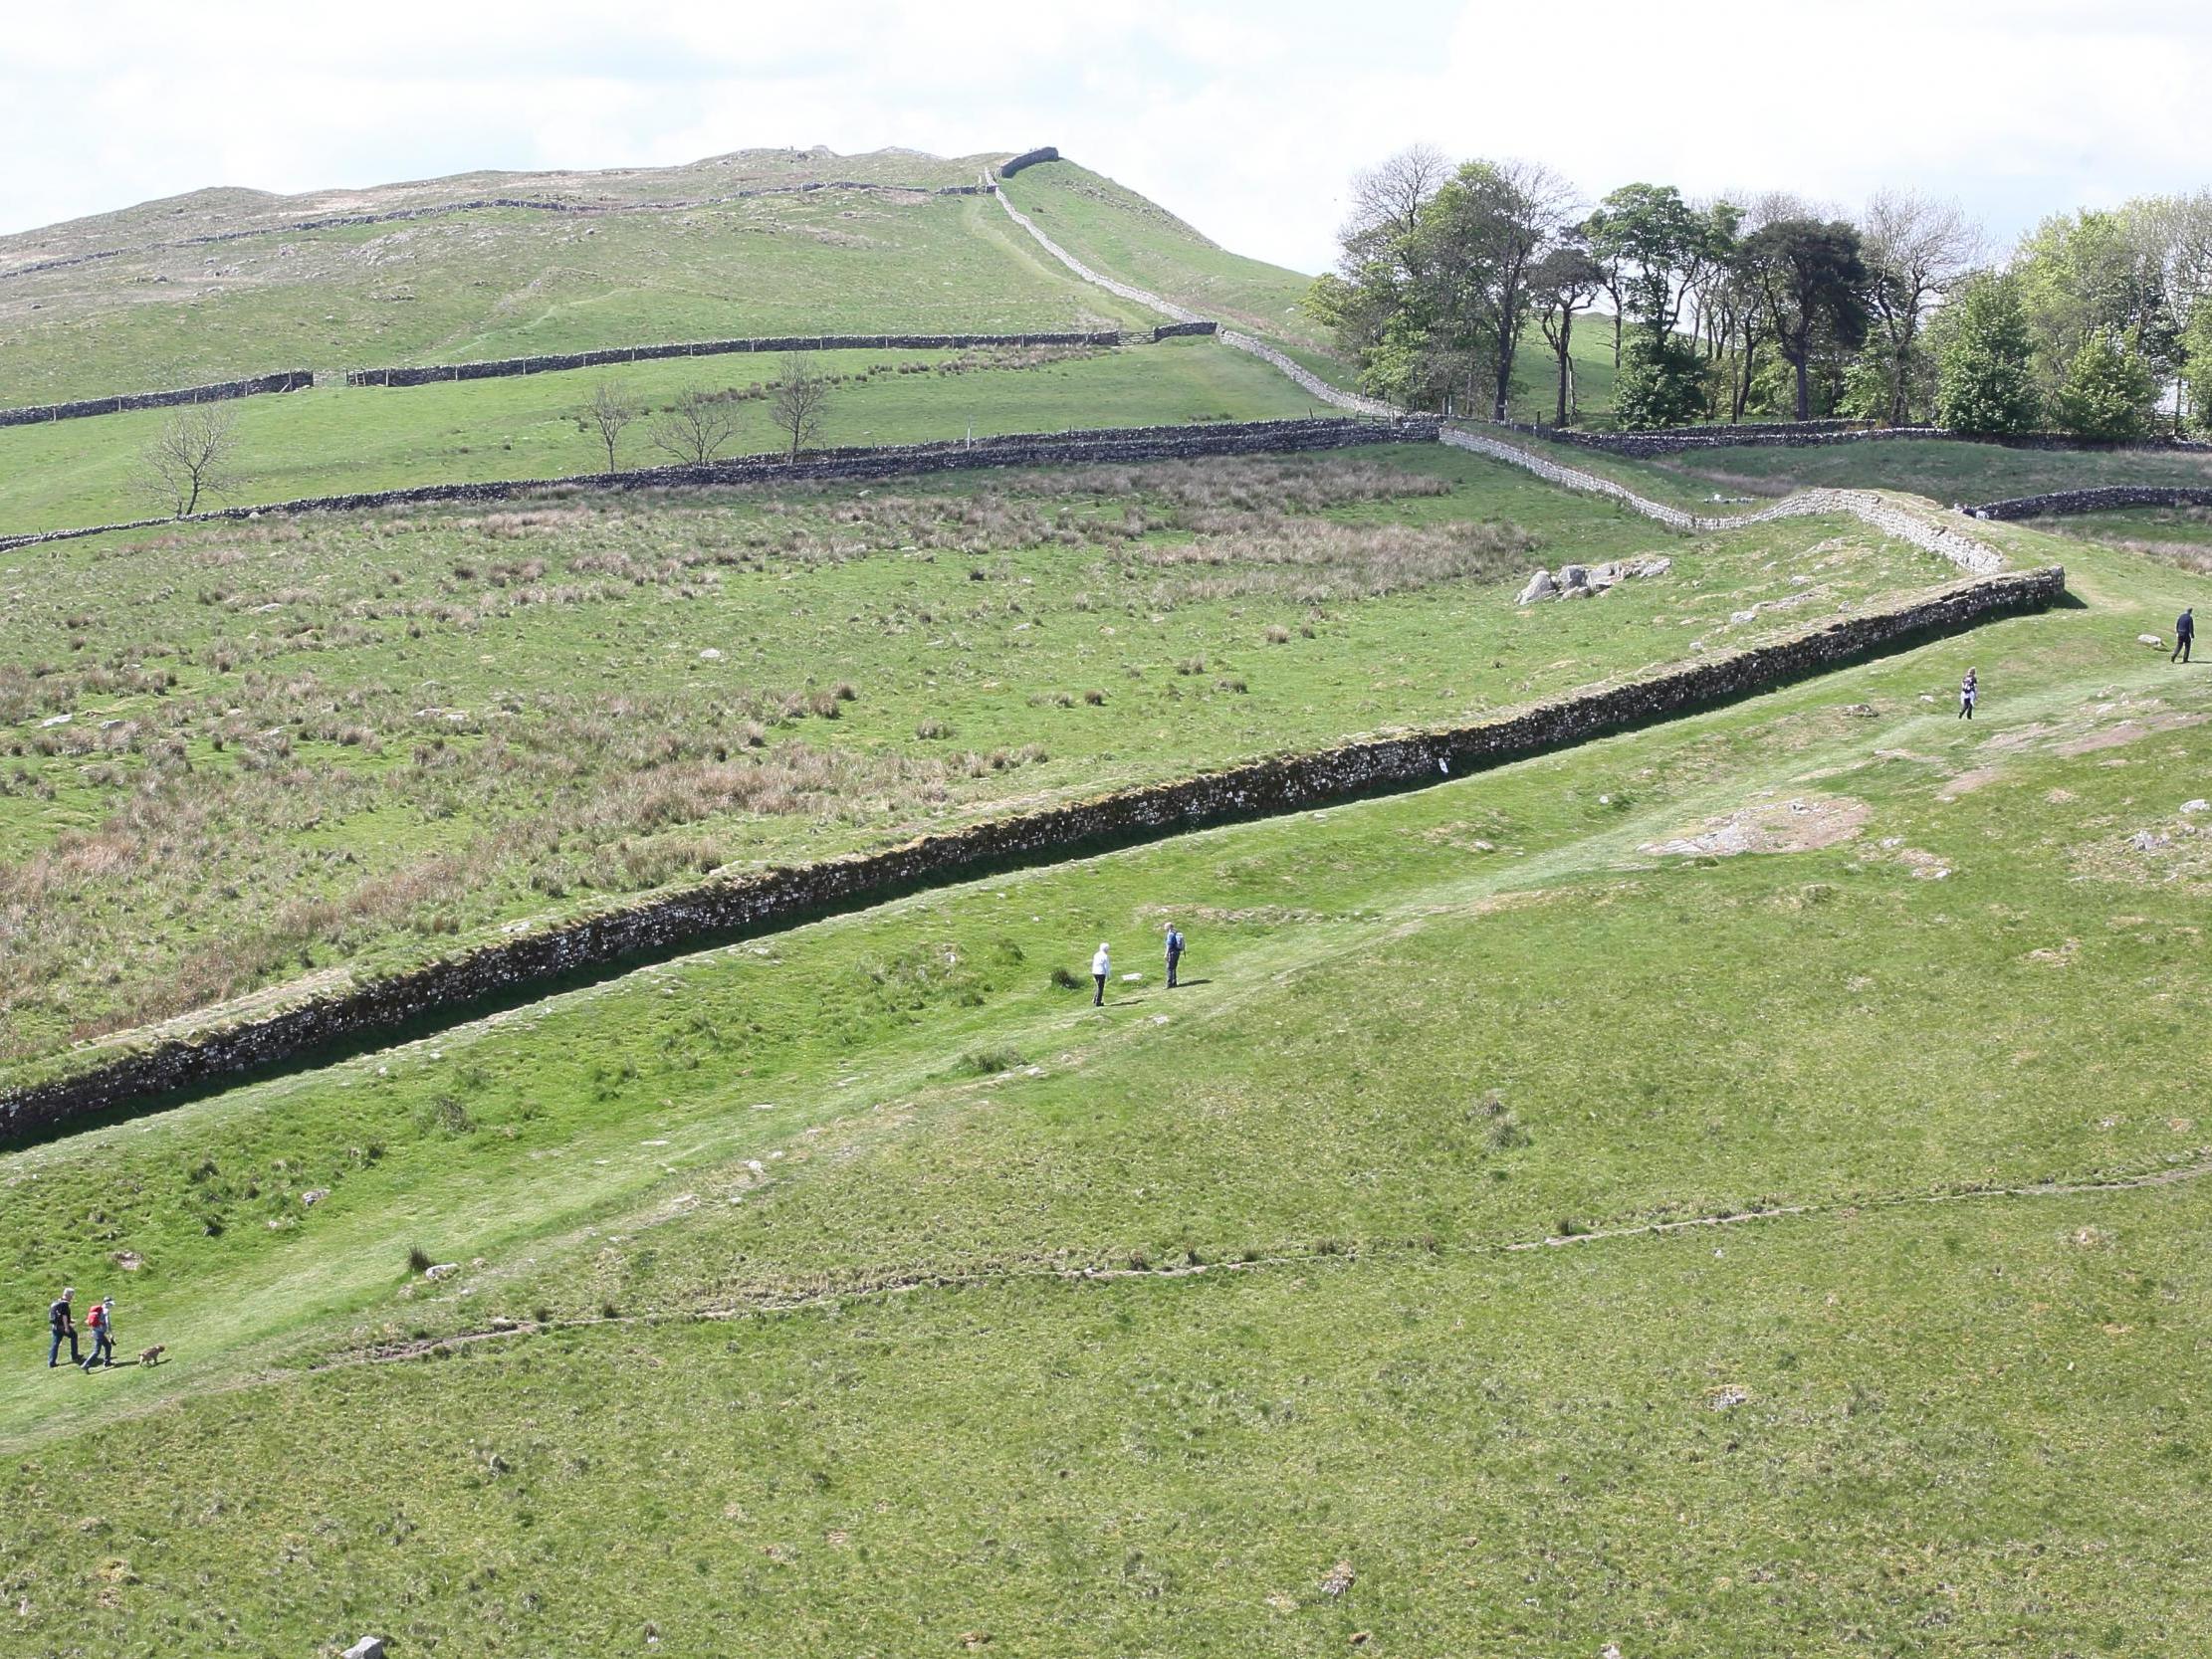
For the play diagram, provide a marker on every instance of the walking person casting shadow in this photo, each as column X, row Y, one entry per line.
column 1101, row 966
column 61, row 1322
column 2184, row 634
column 1969, row 690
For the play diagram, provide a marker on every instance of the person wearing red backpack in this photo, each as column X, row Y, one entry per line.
column 101, row 1322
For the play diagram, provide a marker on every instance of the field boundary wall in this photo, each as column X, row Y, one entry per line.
column 1028, row 449
column 497, row 369
column 289, row 380
column 673, row 923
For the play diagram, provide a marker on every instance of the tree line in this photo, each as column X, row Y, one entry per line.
column 2098, row 323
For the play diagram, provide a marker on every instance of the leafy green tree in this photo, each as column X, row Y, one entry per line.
column 2109, row 393
column 1815, row 284
column 1984, row 380
column 2196, row 370
column 1653, row 249
column 2097, row 273
column 1661, row 381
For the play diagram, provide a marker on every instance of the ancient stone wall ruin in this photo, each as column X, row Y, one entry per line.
column 776, row 898
column 2104, row 499
column 1930, row 535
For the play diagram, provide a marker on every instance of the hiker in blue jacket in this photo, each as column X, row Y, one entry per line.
column 2184, row 634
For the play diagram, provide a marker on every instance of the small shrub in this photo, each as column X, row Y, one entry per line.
column 419, row 1260
column 1064, row 980
column 1094, row 698
column 1278, row 635
column 932, row 729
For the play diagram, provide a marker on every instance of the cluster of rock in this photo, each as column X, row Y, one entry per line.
column 1587, row 581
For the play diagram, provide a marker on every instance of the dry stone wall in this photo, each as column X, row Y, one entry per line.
column 499, row 368
column 1883, row 515
column 291, row 380
column 1028, row 158
column 1032, row 449
column 1819, row 434
column 445, row 991
column 2102, row 500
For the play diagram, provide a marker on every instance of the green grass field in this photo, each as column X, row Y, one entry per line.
column 805, row 1209
column 1942, row 470
column 1112, row 229
column 507, row 283
column 337, row 441
column 245, row 754
column 1737, row 1188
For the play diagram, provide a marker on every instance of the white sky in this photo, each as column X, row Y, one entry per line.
column 1244, row 117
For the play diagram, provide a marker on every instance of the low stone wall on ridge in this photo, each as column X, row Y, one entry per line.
column 714, row 910
column 1029, row 449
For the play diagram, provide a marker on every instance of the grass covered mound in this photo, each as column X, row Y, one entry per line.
column 513, row 281
column 1942, row 470
column 339, row 441
column 251, row 755
column 804, row 1213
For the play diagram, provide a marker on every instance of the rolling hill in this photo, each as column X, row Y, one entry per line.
column 1719, row 1180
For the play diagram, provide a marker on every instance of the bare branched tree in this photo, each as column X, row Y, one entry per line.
column 611, row 409
column 695, row 428
column 802, row 402
column 1916, row 249
column 190, row 457
column 1389, row 196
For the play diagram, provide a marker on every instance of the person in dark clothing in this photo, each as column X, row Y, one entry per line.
column 63, row 1323
column 1175, row 953
column 2184, row 634
column 1968, row 690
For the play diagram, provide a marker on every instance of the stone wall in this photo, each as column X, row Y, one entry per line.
column 1028, row 158
column 423, row 376
column 776, row 898
column 1930, row 536
column 1166, row 330
column 1134, row 294
column 1816, row 434
column 2101, row 500
column 1031, row 449
column 291, row 380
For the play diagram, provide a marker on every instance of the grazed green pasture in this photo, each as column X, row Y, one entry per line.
column 341, row 441
column 1419, row 1029
column 245, row 754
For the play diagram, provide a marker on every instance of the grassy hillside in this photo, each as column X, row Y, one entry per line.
column 334, row 439
column 1114, row 230
column 249, row 753
column 811, row 1204
column 503, row 283
column 1940, row 468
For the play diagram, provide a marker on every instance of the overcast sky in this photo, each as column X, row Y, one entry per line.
column 1244, row 117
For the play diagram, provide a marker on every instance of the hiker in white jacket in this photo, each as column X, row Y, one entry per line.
column 1101, row 966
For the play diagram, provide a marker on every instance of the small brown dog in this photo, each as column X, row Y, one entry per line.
column 152, row 1355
